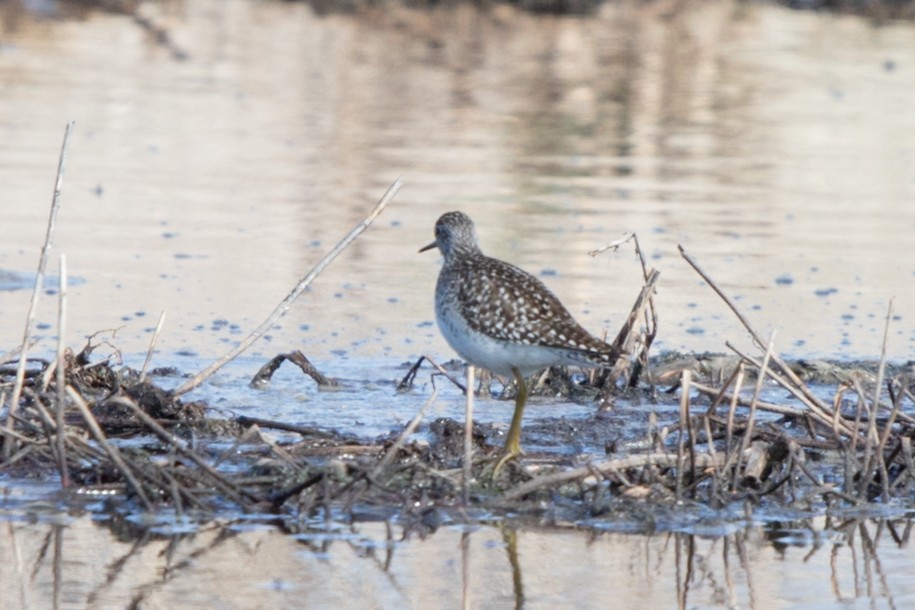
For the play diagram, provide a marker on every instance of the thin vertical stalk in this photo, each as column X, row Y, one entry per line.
column 36, row 290
column 467, row 467
column 62, row 377
column 684, row 426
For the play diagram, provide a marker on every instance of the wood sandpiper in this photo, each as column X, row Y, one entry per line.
column 498, row 317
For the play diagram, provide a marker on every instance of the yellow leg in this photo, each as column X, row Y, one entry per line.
column 513, row 440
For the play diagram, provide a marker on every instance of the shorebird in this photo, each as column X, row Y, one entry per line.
column 499, row 317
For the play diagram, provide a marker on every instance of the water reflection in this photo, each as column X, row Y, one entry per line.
column 77, row 561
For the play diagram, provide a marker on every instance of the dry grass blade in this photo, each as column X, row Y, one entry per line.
column 300, row 287
column 909, row 460
column 628, row 335
column 36, row 290
column 643, row 307
column 708, row 280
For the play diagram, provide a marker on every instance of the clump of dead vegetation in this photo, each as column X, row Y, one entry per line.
column 728, row 445
column 106, row 429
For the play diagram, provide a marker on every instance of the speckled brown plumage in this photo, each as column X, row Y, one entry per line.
column 497, row 316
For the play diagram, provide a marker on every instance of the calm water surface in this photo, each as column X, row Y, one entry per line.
column 222, row 147
column 807, row 563
column 213, row 165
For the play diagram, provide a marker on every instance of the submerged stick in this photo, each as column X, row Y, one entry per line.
column 265, row 373
column 300, row 287
column 36, row 290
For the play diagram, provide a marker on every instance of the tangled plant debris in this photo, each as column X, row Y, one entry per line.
column 721, row 450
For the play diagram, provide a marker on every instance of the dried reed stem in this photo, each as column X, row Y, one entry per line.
column 402, row 438
column 407, row 382
column 613, row 245
column 110, row 449
column 300, row 287
column 651, row 314
column 873, row 456
column 623, row 337
column 466, row 472
column 721, row 393
column 684, row 426
column 720, row 293
column 62, row 376
column 818, row 410
column 732, row 408
column 36, row 290
column 713, row 455
column 908, row 458
column 644, row 307
column 152, row 346
column 668, row 460
column 800, row 386
column 760, row 404
column 748, row 433
column 238, row 495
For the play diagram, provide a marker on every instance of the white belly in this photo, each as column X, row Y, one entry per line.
column 496, row 355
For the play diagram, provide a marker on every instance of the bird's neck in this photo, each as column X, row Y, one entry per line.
column 464, row 252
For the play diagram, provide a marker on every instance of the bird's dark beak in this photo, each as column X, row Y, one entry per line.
column 429, row 247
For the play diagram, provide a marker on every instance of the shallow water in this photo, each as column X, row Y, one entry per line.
column 803, row 562
column 222, row 147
